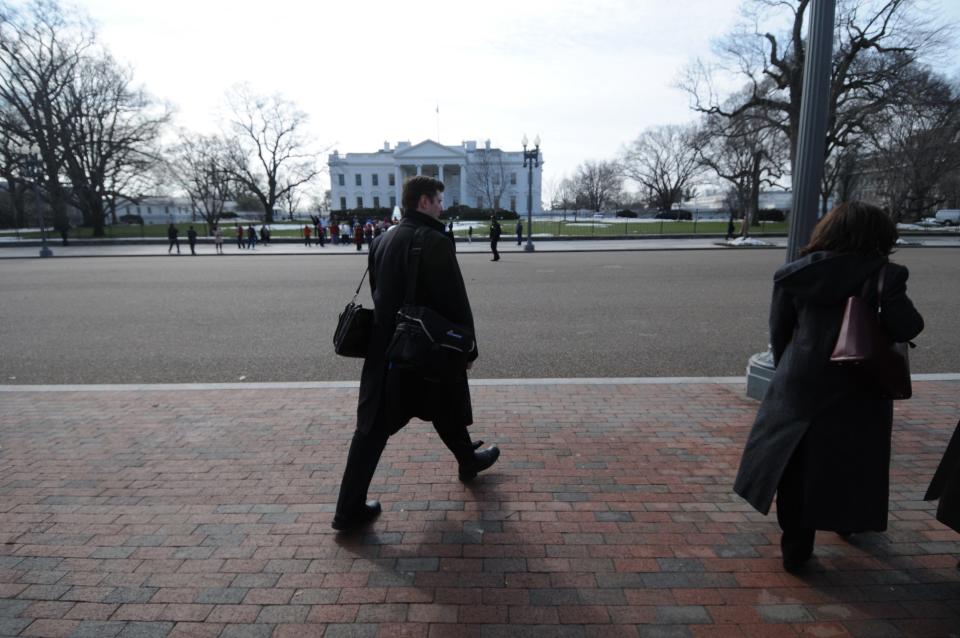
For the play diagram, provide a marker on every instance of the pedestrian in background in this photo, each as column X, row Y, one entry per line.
column 470, row 234
column 173, row 236
column 251, row 237
column 321, row 234
column 306, row 235
column 358, row 236
column 218, row 239
column 239, row 236
column 192, row 240
column 494, row 237
column 519, row 232
column 821, row 438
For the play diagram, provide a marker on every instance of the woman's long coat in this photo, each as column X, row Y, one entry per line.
column 389, row 399
column 830, row 416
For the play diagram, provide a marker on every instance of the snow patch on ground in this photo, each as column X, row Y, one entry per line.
column 748, row 241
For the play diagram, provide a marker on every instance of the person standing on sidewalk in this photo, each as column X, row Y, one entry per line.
column 192, row 240
column 173, row 235
column 821, row 438
column 251, row 237
column 306, row 234
column 389, row 398
column 239, row 236
column 358, row 235
column 519, row 232
column 494, row 237
column 218, row 239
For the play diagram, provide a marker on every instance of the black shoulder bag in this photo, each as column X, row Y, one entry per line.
column 425, row 342
column 354, row 327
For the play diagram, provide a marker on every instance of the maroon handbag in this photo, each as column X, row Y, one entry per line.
column 862, row 342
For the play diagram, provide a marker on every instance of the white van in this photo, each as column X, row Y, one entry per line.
column 948, row 217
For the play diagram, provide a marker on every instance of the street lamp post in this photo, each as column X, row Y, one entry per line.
column 33, row 170
column 531, row 159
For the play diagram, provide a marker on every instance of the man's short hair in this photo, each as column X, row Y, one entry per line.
column 416, row 186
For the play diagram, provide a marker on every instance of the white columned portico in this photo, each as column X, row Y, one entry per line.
column 440, row 172
column 396, row 181
column 419, row 169
column 463, row 184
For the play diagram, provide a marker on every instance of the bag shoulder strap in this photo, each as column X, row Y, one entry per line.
column 357, row 291
column 413, row 265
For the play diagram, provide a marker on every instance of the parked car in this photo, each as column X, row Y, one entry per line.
column 948, row 217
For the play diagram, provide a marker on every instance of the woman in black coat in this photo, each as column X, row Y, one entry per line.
column 821, row 439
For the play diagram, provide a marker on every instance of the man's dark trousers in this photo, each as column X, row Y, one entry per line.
column 496, row 253
column 365, row 452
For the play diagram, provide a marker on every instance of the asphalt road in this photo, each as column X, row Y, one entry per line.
column 270, row 318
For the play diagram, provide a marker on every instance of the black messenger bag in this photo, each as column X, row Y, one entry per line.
column 424, row 341
column 354, row 327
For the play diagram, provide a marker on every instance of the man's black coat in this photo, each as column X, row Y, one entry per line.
column 833, row 419
column 389, row 399
column 946, row 484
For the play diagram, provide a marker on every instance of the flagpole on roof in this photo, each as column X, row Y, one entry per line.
column 438, row 122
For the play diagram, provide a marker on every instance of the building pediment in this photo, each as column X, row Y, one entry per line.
column 429, row 150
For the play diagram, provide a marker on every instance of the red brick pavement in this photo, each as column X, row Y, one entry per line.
column 206, row 513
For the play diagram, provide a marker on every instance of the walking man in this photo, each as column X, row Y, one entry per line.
column 494, row 237
column 173, row 234
column 389, row 398
column 251, row 237
column 519, row 232
column 192, row 239
column 239, row 236
column 218, row 239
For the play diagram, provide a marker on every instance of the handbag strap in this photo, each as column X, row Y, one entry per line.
column 880, row 278
column 413, row 265
column 357, row 291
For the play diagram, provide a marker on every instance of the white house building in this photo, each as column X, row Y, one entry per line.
column 477, row 177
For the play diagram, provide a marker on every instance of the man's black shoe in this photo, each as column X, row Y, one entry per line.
column 369, row 511
column 481, row 461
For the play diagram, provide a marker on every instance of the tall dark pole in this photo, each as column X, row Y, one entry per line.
column 530, row 160
column 812, row 136
column 808, row 163
column 33, row 170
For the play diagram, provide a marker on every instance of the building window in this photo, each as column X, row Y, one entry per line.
column 149, row 212
column 376, row 179
column 376, row 201
column 340, row 180
column 392, row 179
column 359, row 179
column 138, row 210
column 343, row 203
column 513, row 179
column 513, row 204
column 393, row 201
column 166, row 210
column 360, row 201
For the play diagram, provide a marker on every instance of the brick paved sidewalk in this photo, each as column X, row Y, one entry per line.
column 206, row 513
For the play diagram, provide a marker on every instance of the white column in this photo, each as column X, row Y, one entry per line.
column 440, row 172
column 463, row 184
column 419, row 169
column 396, row 182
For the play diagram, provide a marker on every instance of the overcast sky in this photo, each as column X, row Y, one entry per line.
column 586, row 76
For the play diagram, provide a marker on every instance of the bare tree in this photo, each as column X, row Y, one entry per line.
column 745, row 153
column 271, row 151
column 198, row 164
column 487, row 175
column 597, row 185
column 109, row 136
column 41, row 48
column 916, row 147
column 875, row 41
column 664, row 161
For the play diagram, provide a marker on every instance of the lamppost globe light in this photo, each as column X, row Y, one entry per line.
column 524, row 141
column 536, row 141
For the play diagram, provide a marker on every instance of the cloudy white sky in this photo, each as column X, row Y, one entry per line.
column 586, row 76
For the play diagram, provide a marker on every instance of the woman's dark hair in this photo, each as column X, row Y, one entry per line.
column 416, row 186
column 854, row 227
